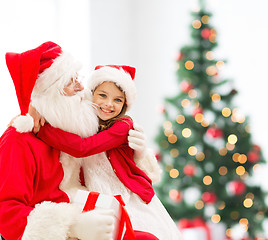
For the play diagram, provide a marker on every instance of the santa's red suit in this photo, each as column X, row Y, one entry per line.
column 30, row 174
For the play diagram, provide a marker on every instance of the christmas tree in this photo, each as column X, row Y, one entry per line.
column 205, row 143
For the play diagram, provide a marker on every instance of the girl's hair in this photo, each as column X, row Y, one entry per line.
column 103, row 125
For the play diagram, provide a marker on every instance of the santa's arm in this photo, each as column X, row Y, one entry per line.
column 76, row 146
column 19, row 218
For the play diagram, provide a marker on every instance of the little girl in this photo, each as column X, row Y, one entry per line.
column 114, row 92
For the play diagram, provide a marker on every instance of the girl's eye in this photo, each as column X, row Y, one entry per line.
column 102, row 95
column 118, row 100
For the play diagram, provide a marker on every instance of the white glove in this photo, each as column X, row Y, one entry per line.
column 144, row 157
column 93, row 225
column 136, row 140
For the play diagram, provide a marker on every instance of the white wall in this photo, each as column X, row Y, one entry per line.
column 155, row 30
column 146, row 34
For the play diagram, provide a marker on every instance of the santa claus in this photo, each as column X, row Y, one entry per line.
column 36, row 188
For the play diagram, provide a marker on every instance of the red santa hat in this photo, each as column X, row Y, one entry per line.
column 122, row 75
column 37, row 69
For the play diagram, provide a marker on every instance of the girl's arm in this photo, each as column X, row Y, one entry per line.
column 76, row 146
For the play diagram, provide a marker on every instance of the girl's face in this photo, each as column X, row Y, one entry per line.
column 109, row 99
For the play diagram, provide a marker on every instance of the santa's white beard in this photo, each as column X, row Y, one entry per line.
column 73, row 114
column 70, row 113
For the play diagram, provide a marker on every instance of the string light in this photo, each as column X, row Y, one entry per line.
column 199, row 204
column 167, row 125
column 168, row 132
column 250, row 195
column 221, row 206
column 212, row 37
column 255, row 167
column 192, row 150
column 205, row 19
column 192, row 93
column 185, row 103
column 174, row 173
column 228, row 232
column 220, row 64
column 223, row 170
column 196, row 24
column 248, row 203
column 237, row 116
column 235, row 157
column 174, row 152
column 216, row 218
column 243, row 221
column 207, row 180
column 240, row 170
column 216, row 97
column 209, row 55
column 189, row 65
column 242, row 158
column 172, row 138
column 199, row 117
column 223, row 151
column 180, row 119
column 232, row 139
column 200, row 156
column 212, row 70
column 230, row 147
column 186, row 132
column 205, row 123
column 226, row 112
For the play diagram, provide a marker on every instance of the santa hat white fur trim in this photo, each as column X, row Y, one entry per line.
column 121, row 78
column 58, row 75
column 23, row 123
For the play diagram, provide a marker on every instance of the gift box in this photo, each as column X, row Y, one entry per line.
column 198, row 229
column 93, row 200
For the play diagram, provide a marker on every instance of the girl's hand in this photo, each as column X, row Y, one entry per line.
column 137, row 141
column 38, row 119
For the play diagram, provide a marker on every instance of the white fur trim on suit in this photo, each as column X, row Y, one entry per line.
column 58, row 75
column 23, row 123
column 121, row 78
column 150, row 166
column 50, row 220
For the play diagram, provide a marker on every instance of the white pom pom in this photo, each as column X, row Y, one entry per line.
column 23, row 123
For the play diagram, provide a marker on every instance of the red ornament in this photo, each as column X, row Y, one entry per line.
column 186, row 86
column 162, row 109
column 180, row 56
column 197, row 110
column 253, row 156
column 205, row 33
column 214, row 132
column 189, row 170
column 236, row 187
column 158, row 156
column 256, row 148
column 209, row 197
column 175, row 195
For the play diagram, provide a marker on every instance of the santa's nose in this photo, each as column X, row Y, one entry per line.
column 78, row 86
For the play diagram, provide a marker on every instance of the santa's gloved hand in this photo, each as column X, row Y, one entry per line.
column 137, row 141
column 93, row 225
